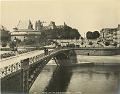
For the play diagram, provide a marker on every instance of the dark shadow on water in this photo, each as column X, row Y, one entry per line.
column 118, row 76
column 60, row 80
column 62, row 75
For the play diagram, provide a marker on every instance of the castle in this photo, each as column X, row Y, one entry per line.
column 25, row 30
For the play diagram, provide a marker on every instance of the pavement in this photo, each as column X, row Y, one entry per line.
column 14, row 59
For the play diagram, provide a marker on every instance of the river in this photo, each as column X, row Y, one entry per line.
column 85, row 79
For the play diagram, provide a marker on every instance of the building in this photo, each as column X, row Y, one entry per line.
column 4, row 34
column 118, row 35
column 109, row 34
column 26, row 31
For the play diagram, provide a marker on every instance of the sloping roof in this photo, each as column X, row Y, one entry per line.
column 23, row 24
column 3, row 28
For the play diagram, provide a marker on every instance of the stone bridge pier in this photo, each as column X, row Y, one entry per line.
column 66, row 58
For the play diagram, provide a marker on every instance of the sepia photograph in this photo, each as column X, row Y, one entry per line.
column 59, row 46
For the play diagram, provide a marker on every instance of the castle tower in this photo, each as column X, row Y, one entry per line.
column 30, row 26
column 39, row 25
column 65, row 24
column 36, row 25
column 52, row 25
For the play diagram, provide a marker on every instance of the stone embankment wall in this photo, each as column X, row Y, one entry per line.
column 97, row 51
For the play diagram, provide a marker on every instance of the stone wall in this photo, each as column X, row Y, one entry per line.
column 97, row 51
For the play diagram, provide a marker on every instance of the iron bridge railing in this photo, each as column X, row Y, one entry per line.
column 17, row 66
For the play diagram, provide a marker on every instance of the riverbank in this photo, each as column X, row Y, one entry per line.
column 93, row 60
column 99, row 59
column 105, row 51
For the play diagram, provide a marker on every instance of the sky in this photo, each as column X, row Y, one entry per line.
column 84, row 15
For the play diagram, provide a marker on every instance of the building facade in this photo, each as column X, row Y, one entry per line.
column 118, row 35
column 26, row 31
column 111, row 35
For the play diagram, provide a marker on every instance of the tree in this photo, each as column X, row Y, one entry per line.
column 82, row 38
column 92, row 35
column 115, row 44
column 82, row 43
column 107, row 43
column 4, row 44
column 12, row 45
column 76, row 33
column 90, row 43
column 96, row 34
column 89, row 35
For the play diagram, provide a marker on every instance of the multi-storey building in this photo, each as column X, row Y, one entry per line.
column 110, row 34
column 118, row 35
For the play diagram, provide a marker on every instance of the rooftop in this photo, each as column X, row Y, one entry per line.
column 3, row 28
column 25, row 25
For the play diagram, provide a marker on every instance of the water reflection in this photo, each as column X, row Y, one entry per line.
column 107, row 75
column 86, row 79
column 95, row 80
column 60, row 80
column 118, row 76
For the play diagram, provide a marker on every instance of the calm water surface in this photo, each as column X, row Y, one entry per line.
column 86, row 79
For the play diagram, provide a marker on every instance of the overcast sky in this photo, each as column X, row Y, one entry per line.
column 84, row 15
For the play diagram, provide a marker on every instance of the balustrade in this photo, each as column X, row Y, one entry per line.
column 10, row 69
column 17, row 66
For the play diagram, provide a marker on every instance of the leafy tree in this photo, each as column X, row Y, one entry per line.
column 115, row 44
column 92, row 35
column 12, row 45
column 96, row 34
column 89, row 35
column 82, row 43
column 107, row 43
column 4, row 44
column 82, row 38
column 76, row 33
column 90, row 43
column 61, row 33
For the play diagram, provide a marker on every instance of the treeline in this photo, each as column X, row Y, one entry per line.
column 62, row 33
column 92, row 35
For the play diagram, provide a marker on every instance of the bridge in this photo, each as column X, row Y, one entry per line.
column 19, row 72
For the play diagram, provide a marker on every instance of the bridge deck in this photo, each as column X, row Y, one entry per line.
column 13, row 64
column 14, row 59
column 18, row 58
